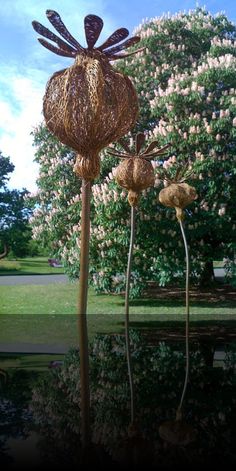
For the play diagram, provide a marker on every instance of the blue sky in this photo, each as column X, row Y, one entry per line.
column 26, row 65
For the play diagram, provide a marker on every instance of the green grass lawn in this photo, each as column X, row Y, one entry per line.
column 56, row 298
column 28, row 266
column 47, row 314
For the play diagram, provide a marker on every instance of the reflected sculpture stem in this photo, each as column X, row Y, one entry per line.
column 179, row 410
column 82, row 318
column 127, row 338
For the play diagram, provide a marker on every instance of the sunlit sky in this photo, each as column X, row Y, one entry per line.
column 26, row 65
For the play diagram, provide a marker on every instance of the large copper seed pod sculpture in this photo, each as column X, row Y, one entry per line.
column 89, row 104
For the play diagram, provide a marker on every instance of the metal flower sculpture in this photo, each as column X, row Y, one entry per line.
column 135, row 173
column 87, row 106
column 178, row 195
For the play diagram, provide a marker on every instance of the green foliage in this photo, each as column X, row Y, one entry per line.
column 6, row 167
column 186, row 82
column 15, row 232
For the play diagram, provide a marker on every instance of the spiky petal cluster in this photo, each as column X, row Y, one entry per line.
column 93, row 26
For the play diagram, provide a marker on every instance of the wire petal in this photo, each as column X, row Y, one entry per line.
column 93, row 26
column 139, row 141
column 124, row 45
column 150, row 147
column 156, row 152
column 118, row 154
column 48, row 34
column 58, row 24
column 56, row 50
column 114, row 57
column 115, row 38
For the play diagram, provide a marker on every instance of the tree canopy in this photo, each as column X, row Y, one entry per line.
column 186, row 81
column 15, row 232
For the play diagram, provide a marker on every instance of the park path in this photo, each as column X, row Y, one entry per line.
column 27, row 348
column 33, row 348
column 8, row 280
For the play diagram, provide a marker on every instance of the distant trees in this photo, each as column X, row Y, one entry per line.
column 186, row 81
column 15, row 232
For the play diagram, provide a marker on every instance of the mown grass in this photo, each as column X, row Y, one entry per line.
column 61, row 298
column 28, row 266
column 63, row 331
column 47, row 314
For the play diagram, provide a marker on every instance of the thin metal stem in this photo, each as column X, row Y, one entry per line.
column 82, row 318
column 179, row 410
column 127, row 338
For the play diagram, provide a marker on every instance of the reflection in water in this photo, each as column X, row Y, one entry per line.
column 23, row 451
column 51, row 425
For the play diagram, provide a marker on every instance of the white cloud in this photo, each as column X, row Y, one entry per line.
column 22, row 84
column 20, row 108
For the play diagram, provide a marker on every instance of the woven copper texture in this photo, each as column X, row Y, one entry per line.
column 136, row 172
column 88, row 105
column 178, row 196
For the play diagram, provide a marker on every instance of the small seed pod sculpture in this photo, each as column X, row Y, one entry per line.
column 178, row 195
column 87, row 106
column 135, row 173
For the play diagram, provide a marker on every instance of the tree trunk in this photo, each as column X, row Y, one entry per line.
column 207, row 276
column 5, row 251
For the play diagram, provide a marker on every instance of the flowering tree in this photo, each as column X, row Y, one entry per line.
column 186, row 81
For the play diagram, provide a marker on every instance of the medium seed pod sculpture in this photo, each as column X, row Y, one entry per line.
column 178, row 195
column 88, row 105
column 135, row 173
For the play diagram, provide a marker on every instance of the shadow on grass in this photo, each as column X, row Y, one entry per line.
column 157, row 324
column 171, row 303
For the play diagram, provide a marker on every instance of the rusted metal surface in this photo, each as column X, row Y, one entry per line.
column 82, row 321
